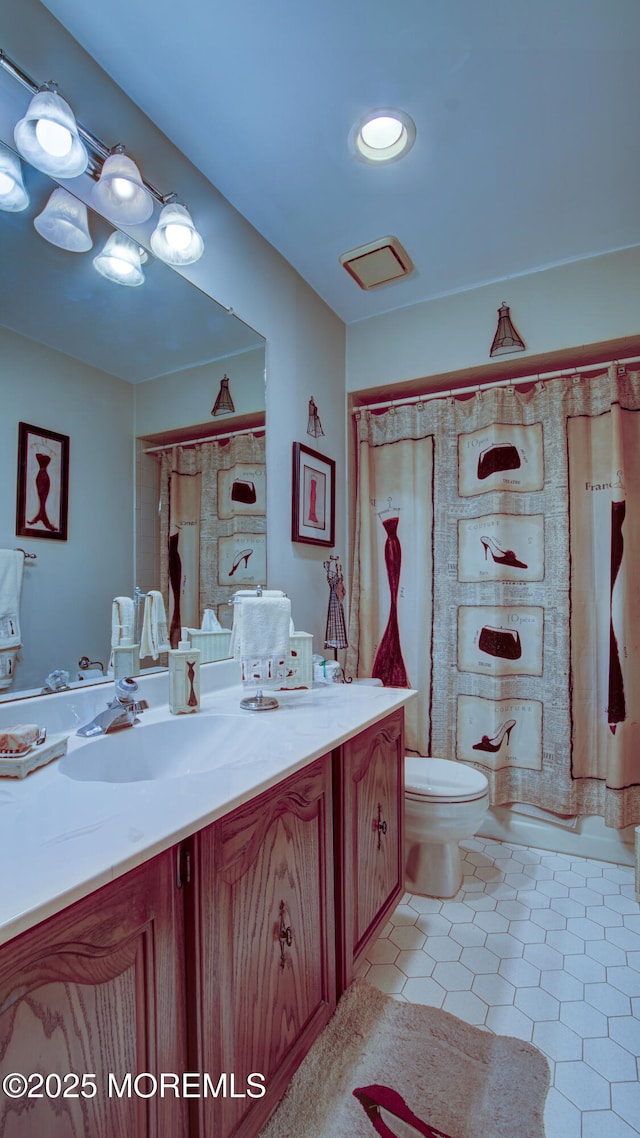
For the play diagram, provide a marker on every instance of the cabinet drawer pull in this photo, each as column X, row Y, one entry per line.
column 380, row 825
column 285, row 936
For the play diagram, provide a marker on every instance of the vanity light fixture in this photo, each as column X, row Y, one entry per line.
column 175, row 239
column 383, row 136
column 13, row 194
column 48, row 135
column 120, row 261
column 51, row 140
column 120, row 193
column 506, row 339
column 63, row 222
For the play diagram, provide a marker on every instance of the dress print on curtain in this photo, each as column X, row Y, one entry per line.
column 388, row 665
column 531, row 620
column 392, row 584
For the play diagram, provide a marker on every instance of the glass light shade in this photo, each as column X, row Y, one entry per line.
column 120, row 194
column 13, row 195
column 48, row 137
column 119, row 261
column 64, row 223
column 506, row 339
column 175, row 240
column 383, row 136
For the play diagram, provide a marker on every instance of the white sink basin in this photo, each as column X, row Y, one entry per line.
column 152, row 751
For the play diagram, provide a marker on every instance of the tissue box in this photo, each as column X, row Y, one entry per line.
column 299, row 662
column 212, row 645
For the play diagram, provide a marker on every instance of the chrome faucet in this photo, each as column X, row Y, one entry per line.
column 121, row 712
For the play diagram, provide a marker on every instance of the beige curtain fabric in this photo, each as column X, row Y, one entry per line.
column 525, row 649
column 213, row 508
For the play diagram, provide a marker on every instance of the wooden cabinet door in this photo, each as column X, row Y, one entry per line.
column 89, row 997
column 263, row 950
column 369, row 782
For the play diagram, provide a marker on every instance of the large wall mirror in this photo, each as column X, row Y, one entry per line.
column 123, row 373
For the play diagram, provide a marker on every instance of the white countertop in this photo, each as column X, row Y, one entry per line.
column 62, row 837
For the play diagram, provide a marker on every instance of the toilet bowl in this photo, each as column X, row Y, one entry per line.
column 445, row 801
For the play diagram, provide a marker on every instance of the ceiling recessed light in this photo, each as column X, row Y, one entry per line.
column 383, row 136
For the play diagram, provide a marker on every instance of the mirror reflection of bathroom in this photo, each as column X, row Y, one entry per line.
column 120, row 372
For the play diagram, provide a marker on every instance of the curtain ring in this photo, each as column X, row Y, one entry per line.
column 420, row 405
column 511, row 389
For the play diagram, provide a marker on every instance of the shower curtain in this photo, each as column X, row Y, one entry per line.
column 212, row 526
column 495, row 572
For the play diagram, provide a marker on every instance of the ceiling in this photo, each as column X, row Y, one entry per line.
column 527, row 149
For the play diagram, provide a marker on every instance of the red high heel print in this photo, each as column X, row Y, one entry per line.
column 493, row 745
column 501, row 556
column 244, row 553
column 390, row 1116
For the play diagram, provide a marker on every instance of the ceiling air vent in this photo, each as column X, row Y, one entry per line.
column 378, row 262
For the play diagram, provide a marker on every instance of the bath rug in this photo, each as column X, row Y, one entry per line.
column 405, row 1070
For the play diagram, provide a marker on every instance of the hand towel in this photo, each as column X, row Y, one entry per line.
column 261, row 627
column 123, row 623
column 210, row 622
column 11, row 568
column 155, row 634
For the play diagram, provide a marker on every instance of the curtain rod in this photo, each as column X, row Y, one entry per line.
column 487, row 386
column 208, row 439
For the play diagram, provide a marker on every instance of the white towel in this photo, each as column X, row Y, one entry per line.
column 11, row 568
column 210, row 622
column 261, row 627
column 123, row 621
column 155, row 634
column 264, row 593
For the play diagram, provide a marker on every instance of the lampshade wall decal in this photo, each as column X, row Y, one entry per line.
column 224, row 403
column 175, row 240
column 314, row 426
column 506, row 339
column 48, row 136
column 63, row 222
column 13, row 193
column 120, row 193
column 120, row 261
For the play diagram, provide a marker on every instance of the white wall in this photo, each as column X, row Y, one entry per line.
column 67, row 591
column 187, row 397
column 305, row 340
column 586, row 302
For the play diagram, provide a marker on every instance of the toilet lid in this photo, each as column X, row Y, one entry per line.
column 442, row 780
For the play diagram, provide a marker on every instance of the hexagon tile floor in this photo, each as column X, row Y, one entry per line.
column 542, row 946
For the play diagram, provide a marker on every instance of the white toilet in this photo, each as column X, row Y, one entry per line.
column 445, row 801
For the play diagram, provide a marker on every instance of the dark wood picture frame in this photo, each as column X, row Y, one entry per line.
column 313, row 500
column 43, row 483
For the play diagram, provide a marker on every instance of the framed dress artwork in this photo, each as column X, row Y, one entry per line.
column 43, row 483
column 313, row 517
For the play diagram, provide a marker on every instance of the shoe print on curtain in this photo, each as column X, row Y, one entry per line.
column 501, row 547
column 499, row 733
column 388, row 665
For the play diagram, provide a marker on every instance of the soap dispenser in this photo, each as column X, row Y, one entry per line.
column 184, row 677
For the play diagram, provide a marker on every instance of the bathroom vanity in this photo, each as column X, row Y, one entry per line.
column 179, row 999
